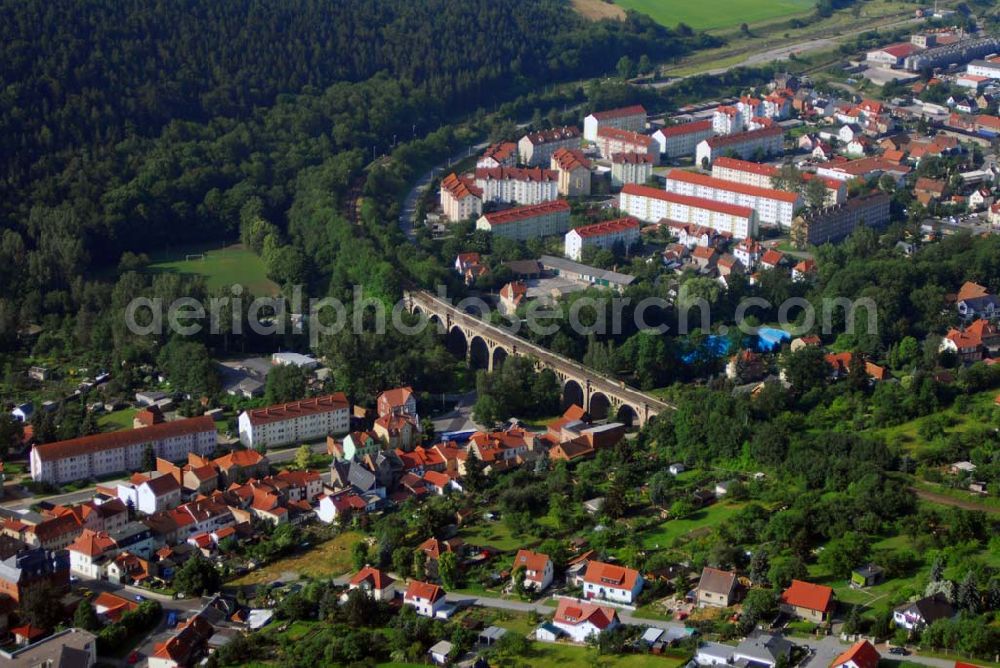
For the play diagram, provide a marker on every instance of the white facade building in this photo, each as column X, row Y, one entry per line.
column 630, row 168
column 518, row 186
column 626, row 118
column 605, row 235
column 652, row 205
column 774, row 207
column 121, row 451
column 680, row 140
column 295, row 422
column 768, row 141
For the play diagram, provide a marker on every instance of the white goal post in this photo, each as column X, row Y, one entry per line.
column 194, row 256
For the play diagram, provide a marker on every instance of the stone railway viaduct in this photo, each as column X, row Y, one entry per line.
column 488, row 345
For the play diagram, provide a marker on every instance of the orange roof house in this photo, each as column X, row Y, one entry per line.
column 807, row 600
column 861, row 654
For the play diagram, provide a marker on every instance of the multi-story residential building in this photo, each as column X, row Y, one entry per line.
column 537, row 148
column 833, row 223
column 426, row 598
column 611, row 582
column 30, row 567
column 296, row 421
column 613, row 140
column 744, row 144
column 120, row 451
column 761, row 176
column 573, row 168
column 626, row 118
column 750, row 106
column 461, row 199
column 773, row 207
column 519, row 186
column 527, row 222
column 680, row 140
column 727, row 120
column 605, row 234
column 503, row 154
column 631, row 168
column 398, row 401
column 652, row 205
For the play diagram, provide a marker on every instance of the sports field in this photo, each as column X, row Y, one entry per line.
column 718, row 14
column 221, row 267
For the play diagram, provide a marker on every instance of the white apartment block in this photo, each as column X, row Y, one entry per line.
column 630, row 168
column 460, row 198
column 680, row 140
column 612, row 140
column 527, row 222
column 631, row 118
column 573, row 168
column 537, row 148
column 120, row 451
column 653, row 205
column 295, row 422
column 984, row 68
column 727, row 120
column 605, row 234
column 518, row 186
column 761, row 175
column 743, row 144
column 773, row 207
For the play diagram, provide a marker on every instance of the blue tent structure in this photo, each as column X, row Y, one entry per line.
column 770, row 339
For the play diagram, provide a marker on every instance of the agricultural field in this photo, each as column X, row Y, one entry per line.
column 722, row 14
column 221, row 267
column 325, row 560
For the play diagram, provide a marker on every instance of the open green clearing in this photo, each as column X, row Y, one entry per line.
column 699, row 522
column 561, row 654
column 117, row 420
column 221, row 267
column 907, row 435
column 328, row 559
column 721, row 14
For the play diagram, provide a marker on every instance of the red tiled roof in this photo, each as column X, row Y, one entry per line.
column 730, row 186
column 532, row 561
column 721, row 141
column 634, row 110
column 92, row 543
column 240, row 458
column 607, row 227
column 626, row 136
column 554, row 134
column 970, row 290
column 772, row 257
column 377, row 578
column 500, row 152
column 569, row 159
column 425, row 590
column 573, row 612
column 460, row 187
column 524, row 212
column 862, row 654
column 808, row 596
column 294, row 409
column 124, row 438
column 516, row 174
column 901, row 50
column 686, row 128
column 631, row 158
column 610, row 575
column 636, row 190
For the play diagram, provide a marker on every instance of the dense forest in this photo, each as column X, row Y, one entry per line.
column 136, row 126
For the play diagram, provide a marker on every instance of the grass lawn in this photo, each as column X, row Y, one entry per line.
column 324, row 560
column 701, row 521
column 907, row 434
column 560, row 654
column 221, row 267
column 722, row 14
column 117, row 420
column 497, row 535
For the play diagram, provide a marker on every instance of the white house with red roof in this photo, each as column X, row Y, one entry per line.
column 653, row 205
column 892, row 55
column 518, row 185
column 624, row 118
column 611, row 582
column 294, row 422
column 426, row 598
column 376, row 583
column 613, row 140
column 604, row 235
column 726, row 120
column 460, row 198
column 580, row 620
column 150, row 494
column 537, row 569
